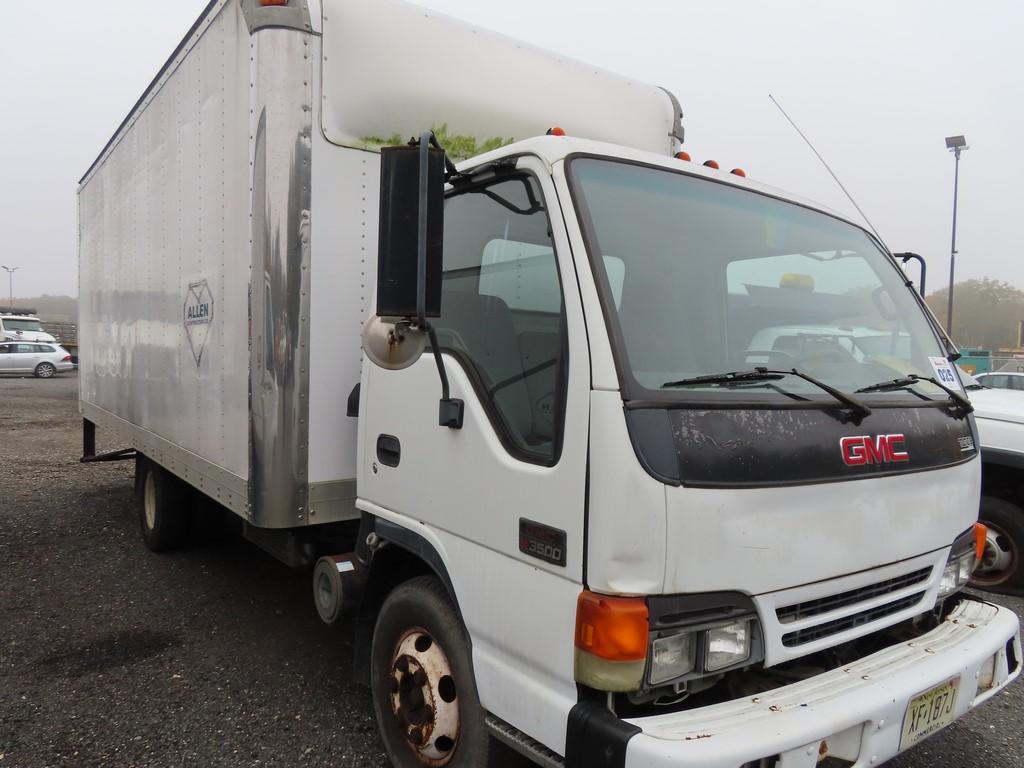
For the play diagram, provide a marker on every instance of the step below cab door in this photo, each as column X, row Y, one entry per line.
column 501, row 499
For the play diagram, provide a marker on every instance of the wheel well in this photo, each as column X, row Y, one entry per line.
column 392, row 562
column 1002, row 482
column 141, row 464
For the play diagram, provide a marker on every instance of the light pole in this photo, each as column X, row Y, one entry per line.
column 954, row 144
column 10, row 283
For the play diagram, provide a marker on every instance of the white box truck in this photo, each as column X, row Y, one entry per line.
column 628, row 535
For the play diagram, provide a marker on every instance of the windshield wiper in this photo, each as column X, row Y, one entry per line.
column 758, row 374
column 911, row 379
column 764, row 374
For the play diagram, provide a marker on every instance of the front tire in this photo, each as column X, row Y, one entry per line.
column 162, row 508
column 45, row 371
column 421, row 676
column 1001, row 568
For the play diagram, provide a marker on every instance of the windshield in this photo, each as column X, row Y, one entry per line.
column 22, row 325
column 700, row 278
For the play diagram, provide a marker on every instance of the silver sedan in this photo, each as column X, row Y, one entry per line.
column 38, row 359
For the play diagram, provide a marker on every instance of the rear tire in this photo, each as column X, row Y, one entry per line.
column 45, row 371
column 162, row 507
column 1001, row 566
column 421, row 676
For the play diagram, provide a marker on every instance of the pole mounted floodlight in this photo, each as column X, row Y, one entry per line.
column 10, row 284
column 955, row 144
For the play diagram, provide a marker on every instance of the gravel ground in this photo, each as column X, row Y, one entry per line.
column 213, row 656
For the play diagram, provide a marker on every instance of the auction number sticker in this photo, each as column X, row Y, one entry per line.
column 944, row 372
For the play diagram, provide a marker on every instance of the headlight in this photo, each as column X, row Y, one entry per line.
column 671, row 657
column 727, row 646
column 959, row 565
column 699, row 635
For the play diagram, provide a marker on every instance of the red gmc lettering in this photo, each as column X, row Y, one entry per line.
column 882, row 449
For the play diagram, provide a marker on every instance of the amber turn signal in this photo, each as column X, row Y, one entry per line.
column 612, row 628
column 980, row 535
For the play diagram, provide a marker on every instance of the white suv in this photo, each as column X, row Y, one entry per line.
column 23, row 328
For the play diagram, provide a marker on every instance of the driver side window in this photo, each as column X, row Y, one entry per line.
column 502, row 313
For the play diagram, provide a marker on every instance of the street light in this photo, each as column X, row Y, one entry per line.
column 954, row 144
column 10, row 281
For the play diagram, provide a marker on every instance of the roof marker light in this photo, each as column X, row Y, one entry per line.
column 683, row 156
column 739, row 172
column 711, row 164
column 556, row 131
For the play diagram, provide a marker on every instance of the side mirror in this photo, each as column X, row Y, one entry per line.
column 410, row 263
column 392, row 345
column 404, row 208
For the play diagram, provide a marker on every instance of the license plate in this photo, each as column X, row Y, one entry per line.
column 929, row 712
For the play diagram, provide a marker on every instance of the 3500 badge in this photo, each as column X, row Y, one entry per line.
column 542, row 541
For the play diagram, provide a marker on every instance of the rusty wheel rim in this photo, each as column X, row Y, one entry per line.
column 423, row 696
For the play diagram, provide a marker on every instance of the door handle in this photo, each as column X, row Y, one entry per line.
column 389, row 450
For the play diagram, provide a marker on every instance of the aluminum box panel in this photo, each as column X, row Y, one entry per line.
column 164, row 232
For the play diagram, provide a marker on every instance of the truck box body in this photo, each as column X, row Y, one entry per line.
column 243, row 191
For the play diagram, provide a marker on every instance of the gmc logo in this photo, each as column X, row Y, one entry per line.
column 882, row 449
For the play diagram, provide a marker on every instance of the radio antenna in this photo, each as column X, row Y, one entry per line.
column 827, row 168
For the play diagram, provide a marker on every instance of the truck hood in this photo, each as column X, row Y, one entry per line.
column 756, row 503
column 761, row 500
column 29, row 336
column 768, row 539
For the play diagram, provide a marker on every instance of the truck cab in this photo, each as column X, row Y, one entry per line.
column 23, row 328
column 621, row 461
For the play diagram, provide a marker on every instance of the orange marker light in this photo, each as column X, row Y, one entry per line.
column 980, row 535
column 556, row 131
column 683, row 156
column 612, row 628
column 739, row 172
column 273, row 2
column 711, row 164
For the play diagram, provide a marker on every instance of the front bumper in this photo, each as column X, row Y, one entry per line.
column 856, row 711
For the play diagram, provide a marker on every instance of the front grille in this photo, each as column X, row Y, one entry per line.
column 836, row 626
column 804, row 610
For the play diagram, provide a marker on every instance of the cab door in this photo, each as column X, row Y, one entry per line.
column 501, row 499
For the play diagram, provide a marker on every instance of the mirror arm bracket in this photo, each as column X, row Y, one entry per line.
column 451, row 411
column 908, row 256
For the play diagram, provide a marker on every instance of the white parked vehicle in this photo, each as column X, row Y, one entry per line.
column 1000, row 417
column 1013, row 380
column 23, row 328
column 44, row 361
column 502, row 410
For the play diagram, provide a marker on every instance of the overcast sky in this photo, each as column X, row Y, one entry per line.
column 876, row 84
